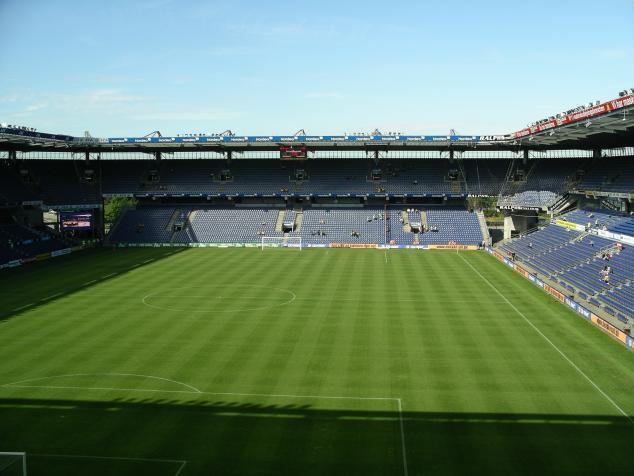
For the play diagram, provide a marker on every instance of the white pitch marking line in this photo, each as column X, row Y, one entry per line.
column 48, row 298
column 234, row 394
column 109, row 374
column 402, row 425
column 324, row 397
column 553, row 345
column 119, row 389
column 369, row 301
column 87, row 283
column 259, row 308
column 182, row 463
column 108, row 275
column 22, row 307
column 398, row 401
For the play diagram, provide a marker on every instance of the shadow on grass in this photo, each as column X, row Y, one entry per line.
column 28, row 287
column 230, row 436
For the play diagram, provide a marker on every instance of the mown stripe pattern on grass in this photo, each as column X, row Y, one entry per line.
column 481, row 391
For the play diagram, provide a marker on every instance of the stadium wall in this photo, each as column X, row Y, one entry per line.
column 588, row 315
column 40, row 257
column 48, row 255
column 305, row 245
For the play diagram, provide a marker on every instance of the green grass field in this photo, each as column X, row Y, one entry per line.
column 354, row 362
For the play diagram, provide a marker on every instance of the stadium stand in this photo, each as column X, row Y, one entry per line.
column 145, row 225
column 451, row 224
column 537, row 183
column 610, row 175
column 318, row 226
column 574, row 260
column 602, row 219
column 232, row 225
column 20, row 242
column 363, row 226
column 529, row 199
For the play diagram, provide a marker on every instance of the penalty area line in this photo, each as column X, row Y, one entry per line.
column 181, row 462
column 552, row 344
column 398, row 401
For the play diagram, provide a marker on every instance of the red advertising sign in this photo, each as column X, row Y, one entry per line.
column 606, row 107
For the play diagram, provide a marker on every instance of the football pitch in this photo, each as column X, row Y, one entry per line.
column 354, row 362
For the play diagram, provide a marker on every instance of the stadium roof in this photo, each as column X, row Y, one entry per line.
column 606, row 125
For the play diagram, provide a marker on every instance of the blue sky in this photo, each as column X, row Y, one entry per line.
column 128, row 67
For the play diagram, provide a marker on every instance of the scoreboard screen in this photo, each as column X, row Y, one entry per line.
column 75, row 220
column 288, row 152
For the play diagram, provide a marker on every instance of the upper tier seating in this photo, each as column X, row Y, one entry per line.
column 531, row 198
column 610, row 175
column 59, row 182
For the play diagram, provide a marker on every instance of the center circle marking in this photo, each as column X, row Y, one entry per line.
column 173, row 294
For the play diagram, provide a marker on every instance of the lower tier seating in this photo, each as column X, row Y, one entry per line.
column 577, row 261
column 313, row 225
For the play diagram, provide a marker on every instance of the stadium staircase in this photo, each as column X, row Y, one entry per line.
column 406, row 226
column 483, row 226
column 563, row 204
column 580, row 237
column 423, row 219
column 186, row 231
column 299, row 218
column 172, row 220
column 280, row 221
column 608, row 205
